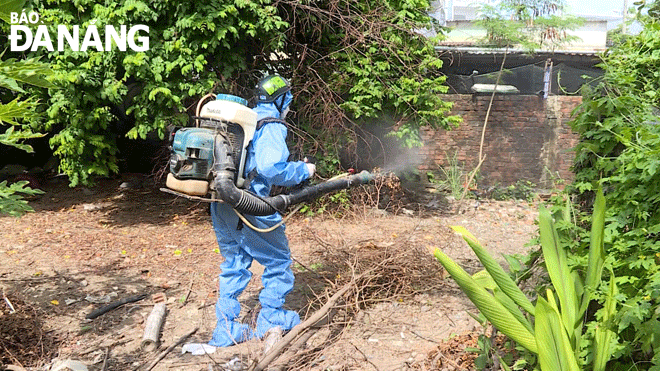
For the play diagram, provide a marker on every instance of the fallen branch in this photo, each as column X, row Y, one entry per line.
column 309, row 322
column 299, row 344
column 115, row 305
column 170, row 348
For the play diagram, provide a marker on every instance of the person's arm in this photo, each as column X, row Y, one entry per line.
column 271, row 154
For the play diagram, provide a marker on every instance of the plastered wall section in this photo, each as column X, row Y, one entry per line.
column 527, row 138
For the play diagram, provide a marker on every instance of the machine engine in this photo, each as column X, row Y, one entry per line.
column 207, row 162
column 226, row 119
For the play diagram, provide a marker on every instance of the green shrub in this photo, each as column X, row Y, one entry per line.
column 620, row 151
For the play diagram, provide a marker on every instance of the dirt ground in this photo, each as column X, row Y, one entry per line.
column 83, row 248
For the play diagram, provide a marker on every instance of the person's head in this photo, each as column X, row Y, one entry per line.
column 276, row 90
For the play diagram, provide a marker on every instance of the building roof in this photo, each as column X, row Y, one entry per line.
column 463, row 60
column 466, row 48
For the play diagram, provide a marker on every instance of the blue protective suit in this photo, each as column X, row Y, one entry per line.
column 268, row 154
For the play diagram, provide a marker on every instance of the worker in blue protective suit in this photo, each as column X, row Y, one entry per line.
column 266, row 165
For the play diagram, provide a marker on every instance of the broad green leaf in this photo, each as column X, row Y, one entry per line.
column 604, row 333
column 554, row 347
column 558, row 269
column 8, row 83
column 511, row 306
column 501, row 278
column 14, row 110
column 486, row 281
column 492, row 309
column 10, row 6
column 596, row 250
column 13, row 138
column 30, row 71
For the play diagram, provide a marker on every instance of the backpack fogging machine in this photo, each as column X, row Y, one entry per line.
column 207, row 162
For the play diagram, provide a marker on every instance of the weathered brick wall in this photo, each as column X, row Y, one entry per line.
column 526, row 138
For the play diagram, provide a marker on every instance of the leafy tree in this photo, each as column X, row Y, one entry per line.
column 529, row 24
column 14, row 109
column 350, row 61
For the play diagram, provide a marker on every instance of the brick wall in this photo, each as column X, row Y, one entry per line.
column 526, row 138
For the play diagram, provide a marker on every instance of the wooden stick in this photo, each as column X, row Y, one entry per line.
column 152, row 328
column 105, row 359
column 170, row 348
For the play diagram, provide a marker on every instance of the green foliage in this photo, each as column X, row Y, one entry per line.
column 349, row 61
column 13, row 110
column 487, row 351
column 521, row 190
column 559, row 321
column 11, row 197
column 192, row 47
column 619, row 150
column 335, row 204
column 453, row 177
column 500, row 310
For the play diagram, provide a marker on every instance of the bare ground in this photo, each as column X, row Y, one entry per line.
column 82, row 247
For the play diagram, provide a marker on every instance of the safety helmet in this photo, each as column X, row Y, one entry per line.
column 270, row 88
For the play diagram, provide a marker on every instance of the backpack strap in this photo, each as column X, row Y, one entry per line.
column 261, row 123
column 270, row 120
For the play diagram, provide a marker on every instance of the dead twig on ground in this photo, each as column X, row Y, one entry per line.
column 169, row 349
column 423, row 337
column 185, row 298
column 118, row 339
column 368, row 274
column 105, row 359
column 365, row 356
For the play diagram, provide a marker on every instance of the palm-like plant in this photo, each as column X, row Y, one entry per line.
column 553, row 327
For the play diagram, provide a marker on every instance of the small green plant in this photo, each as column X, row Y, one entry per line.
column 335, row 204
column 11, row 197
column 559, row 320
column 314, row 267
column 452, row 177
column 521, row 190
column 488, row 355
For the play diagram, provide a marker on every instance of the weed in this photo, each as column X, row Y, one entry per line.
column 452, row 177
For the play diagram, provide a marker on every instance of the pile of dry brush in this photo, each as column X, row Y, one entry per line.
column 357, row 277
column 23, row 341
